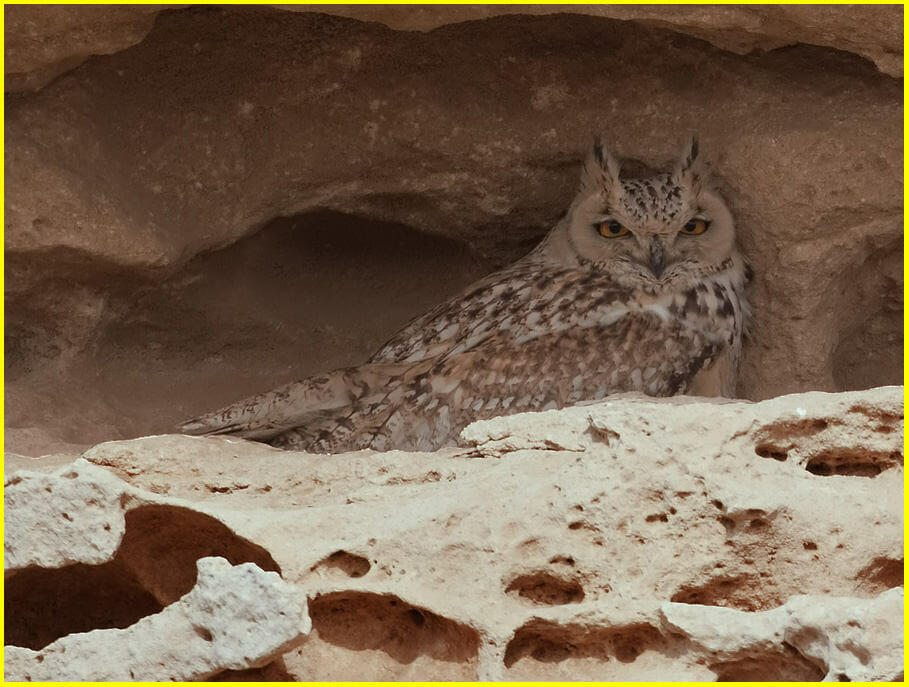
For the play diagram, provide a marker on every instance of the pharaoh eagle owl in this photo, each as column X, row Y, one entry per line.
column 640, row 287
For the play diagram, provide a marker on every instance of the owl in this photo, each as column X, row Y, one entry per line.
column 639, row 288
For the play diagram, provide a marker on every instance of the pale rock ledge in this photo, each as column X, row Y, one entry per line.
column 632, row 539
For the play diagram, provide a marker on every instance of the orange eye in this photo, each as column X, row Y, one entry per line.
column 695, row 226
column 611, row 229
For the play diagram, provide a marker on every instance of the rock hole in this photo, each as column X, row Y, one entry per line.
column 853, row 463
column 727, row 523
column 204, row 633
column 576, row 525
column 770, row 451
column 628, row 651
column 545, row 588
column 43, row 604
column 809, row 546
column 546, row 641
column 350, row 564
column 819, row 468
column 657, row 517
column 154, row 566
column 716, row 503
column 565, row 560
column 834, row 446
column 348, row 623
column 744, row 592
column 756, row 524
column 880, row 575
column 773, row 664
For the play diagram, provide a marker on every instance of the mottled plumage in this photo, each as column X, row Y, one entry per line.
column 639, row 288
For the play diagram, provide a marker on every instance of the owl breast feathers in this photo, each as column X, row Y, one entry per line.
column 640, row 287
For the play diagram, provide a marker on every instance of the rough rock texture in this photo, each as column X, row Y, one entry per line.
column 234, row 618
column 355, row 175
column 631, row 539
column 873, row 32
column 46, row 40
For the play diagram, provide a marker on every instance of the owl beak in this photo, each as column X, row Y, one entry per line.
column 657, row 257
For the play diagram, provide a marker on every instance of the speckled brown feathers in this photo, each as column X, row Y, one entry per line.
column 583, row 316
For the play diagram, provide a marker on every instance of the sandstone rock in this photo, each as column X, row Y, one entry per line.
column 235, row 617
column 405, row 165
column 607, row 541
column 44, row 41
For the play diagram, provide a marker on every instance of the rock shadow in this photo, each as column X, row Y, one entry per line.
column 154, row 566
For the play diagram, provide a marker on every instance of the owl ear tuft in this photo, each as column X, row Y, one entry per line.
column 601, row 170
column 689, row 171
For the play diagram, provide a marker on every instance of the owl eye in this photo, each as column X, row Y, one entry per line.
column 611, row 229
column 696, row 226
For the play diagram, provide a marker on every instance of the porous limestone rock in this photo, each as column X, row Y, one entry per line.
column 235, row 617
column 632, row 539
column 59, row 519
column 356, row 175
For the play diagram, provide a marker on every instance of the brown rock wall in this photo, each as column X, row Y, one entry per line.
column 425, row 160
column 44, row 41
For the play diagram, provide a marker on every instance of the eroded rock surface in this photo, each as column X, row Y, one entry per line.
column 630, row 539
column 355, row 175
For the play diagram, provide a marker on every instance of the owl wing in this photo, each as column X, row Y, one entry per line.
column 506, row 302
column 311, row 400
column 638, row 350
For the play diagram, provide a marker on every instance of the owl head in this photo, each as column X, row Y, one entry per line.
column 660, row 230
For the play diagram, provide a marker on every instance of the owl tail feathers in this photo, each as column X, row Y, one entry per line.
column 295, row 405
